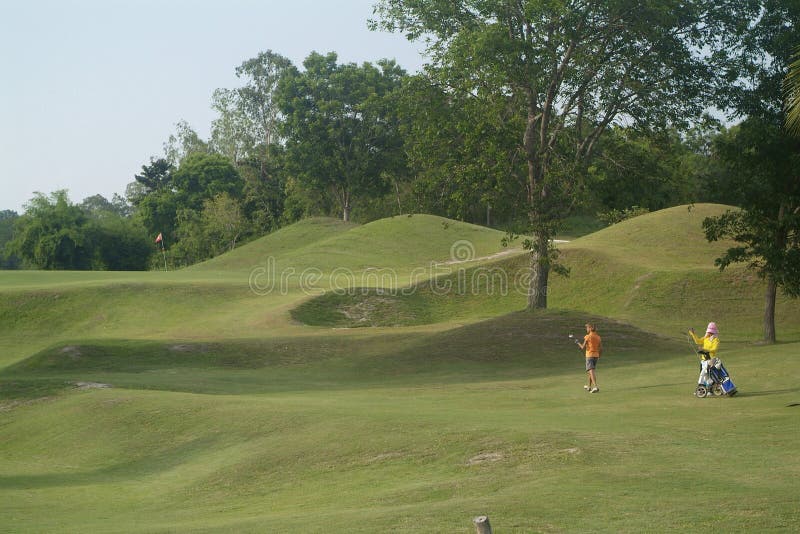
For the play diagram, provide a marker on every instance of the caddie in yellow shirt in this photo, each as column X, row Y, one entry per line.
column 709, row 343
column 707, row 349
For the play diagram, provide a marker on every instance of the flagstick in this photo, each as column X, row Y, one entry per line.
column 163, row 253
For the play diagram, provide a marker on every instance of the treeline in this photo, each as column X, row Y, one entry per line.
column 358, row 142
column 54, row 233
column 494, row 132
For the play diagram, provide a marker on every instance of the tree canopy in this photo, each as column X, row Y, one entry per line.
column 569, row 70
column 791, row 87
column 54, row 233
column 760, row 160
column 340, row 137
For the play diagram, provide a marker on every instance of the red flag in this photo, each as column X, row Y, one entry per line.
column 160, row 238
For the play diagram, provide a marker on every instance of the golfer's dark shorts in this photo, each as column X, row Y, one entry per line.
column 591, row 363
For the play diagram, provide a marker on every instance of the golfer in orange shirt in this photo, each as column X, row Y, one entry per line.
column 593, row 346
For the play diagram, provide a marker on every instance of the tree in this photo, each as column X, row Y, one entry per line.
column 759, row 63
column 461, row 150
column 223, row 221
column 155, row 203
column 166, row 191
column 791, row 85
column 54, row 233
column 155, row 176
column 51, row 234
column 7, row 219
column 169, row 201
column 650, row 170
column 264, row 191
column 257, row 98
column 764, row 171
column 761, row 160
column 340, row 137
column 203, row 176
column 157, row 212
column 184, row 142
column 119, row 243
column 209, row 232
column 247, row 131
column 230, row 135
column 191, row 244
column 98, row 206
column 573, row 68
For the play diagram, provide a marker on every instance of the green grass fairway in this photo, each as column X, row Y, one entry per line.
column 195, row 402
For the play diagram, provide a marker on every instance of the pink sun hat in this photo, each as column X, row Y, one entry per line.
column 712, row 329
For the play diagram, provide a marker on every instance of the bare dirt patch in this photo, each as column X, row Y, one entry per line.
column 363, row 311
column 497, row 255
column 8, row 405
column 91, row 385
column 384, row 456
column 71, row 351
column 635, row 289
column 187, row 347
column 485, row 457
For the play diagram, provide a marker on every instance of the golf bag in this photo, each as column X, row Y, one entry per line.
column 714, row 379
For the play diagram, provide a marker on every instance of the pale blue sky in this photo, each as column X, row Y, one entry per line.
column 91, row 89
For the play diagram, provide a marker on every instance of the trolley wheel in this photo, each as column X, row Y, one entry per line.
column 716, row 389
column 701, row 391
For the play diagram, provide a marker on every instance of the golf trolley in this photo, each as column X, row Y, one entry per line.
column 714, row 379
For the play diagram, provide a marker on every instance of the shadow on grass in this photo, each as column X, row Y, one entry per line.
column 157, row 463
column 767, row 392
column 30, row 389
column 657, row 386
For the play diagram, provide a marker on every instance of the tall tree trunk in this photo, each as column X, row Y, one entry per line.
column 769, row 309
column 540, row 260
column 780, row 239
column 346, row 207
column 399, row 204
column 540, row 272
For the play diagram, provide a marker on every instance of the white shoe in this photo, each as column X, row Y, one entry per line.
column 594, row 390
column 586, row 388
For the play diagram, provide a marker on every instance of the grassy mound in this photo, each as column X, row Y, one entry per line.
column 669, row 239
column 460, row 292
column 303, row 234
column 400, row 243
column 656, row 271
column 33, row 320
